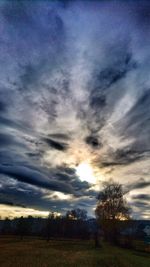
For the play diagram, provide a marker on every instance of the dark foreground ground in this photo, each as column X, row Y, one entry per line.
column 39, row 253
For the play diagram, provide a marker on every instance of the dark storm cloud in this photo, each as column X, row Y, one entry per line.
column 9, row 140
column 9, row 123
column 64, row 174
column 144, row 197
column 5, row 202
column 24, row 195
column 111, row 75
column 64, row 169
column 92, row 141
column 105, row 91
column 50, row 179
column 34, row 177
column 138, row 118
column 68, row 175
column 98, row 101
column 125, row 156
column 56, row 144
column 122, row 63
column 139, row 184
column 141, row 204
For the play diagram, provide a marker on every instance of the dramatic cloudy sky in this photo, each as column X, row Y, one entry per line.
column 74, row 98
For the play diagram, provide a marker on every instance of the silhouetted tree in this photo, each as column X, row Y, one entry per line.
column 111, row 208
column 76, row 223
column 77, row 214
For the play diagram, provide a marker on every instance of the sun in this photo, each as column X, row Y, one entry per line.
column 85, row 173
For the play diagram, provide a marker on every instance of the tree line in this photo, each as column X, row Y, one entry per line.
column 112, row 221
column 72, row 225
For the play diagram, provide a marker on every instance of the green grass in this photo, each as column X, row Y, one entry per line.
column 39, row 253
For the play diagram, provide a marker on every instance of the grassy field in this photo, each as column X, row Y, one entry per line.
column 39, row 253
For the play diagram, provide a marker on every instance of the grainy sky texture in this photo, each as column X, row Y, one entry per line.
column 74, row 91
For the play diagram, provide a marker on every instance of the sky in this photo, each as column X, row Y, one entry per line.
column 74, row 104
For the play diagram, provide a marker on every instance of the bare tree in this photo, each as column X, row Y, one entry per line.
column 77, row 214
column 111, row 208
column 76, row 223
